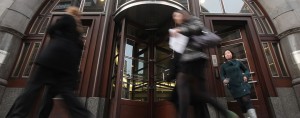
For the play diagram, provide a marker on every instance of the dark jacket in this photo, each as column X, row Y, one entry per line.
column 235, row 71
column 191, row 28
column 63, row 52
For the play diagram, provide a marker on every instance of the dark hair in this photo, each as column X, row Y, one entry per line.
column 231, row 54
column 186, row 15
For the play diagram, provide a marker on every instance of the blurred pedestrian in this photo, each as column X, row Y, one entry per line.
column 188, row 69
column 56, row 66
column 236, row 75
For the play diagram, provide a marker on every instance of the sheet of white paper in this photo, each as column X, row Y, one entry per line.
column 178, row 42
column 2, row 56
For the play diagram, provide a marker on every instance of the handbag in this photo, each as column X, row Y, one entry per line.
column 205, row 40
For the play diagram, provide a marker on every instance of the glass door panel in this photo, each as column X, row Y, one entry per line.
column 135, row 74
column 163, row 54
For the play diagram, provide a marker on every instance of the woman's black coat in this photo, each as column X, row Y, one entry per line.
column 63, row 52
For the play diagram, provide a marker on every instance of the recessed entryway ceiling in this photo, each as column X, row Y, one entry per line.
column 149, row 15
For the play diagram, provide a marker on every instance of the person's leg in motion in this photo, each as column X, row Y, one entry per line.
column 242, row 106
column 76, row 108
column 24, row 103
column 183, row 94
column 249, row 106
column 47, row 104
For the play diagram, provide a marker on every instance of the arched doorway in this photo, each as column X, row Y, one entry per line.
column 140, row 65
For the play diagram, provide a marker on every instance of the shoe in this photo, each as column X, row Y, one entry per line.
column 252, row 113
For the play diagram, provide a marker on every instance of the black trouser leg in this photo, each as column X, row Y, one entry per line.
column 201, row 96
column 183, row 95
column 24, row 103
column 201, row 110
column 47, row 104
column 245, row 103
column 76, row 109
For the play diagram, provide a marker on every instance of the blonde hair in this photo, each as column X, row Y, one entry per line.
column 75, row 12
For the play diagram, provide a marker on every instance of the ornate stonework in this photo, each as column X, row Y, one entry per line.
column 288, row 32
column 12, row 31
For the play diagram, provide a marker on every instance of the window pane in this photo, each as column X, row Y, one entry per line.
column 22, row 56
column 135, row 74
column 258, row 26
column 63, row 4
column 277, row 50
column 231, row 35
column 270, row 60
column 184, row 3
column 163, row 55
column 115, row 66
column 211, row 6
column 256, row 8
column 32, row 57
column 35, row 25
column 236, row 6
column 267, row 26
column 94, row 6
column 120, row 2
column 44, row 26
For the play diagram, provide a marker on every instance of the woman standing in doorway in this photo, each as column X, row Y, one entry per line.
column 188, row 69
column 235, row 75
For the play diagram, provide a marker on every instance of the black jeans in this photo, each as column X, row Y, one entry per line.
column 245, row 103
column 61, row 82
column 191, row 89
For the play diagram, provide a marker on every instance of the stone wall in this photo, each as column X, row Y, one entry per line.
column 285, row 15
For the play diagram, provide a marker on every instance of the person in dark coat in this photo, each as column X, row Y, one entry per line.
column 189, row 71
column 235, row 75
column 57, row 67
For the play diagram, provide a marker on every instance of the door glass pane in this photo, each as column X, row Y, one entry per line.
column 231, row 35
column 163, row 54
column 94, row 6
column 115, row 65
column 270, row 60
column 63, row 4
column 236, row 6
column 211, row 6
column 238, row 50
column 135, row 72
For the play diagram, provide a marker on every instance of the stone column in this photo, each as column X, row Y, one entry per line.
column 285, row 15
column 14, row 18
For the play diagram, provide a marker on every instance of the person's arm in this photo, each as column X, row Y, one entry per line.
column 223, row 74
column 245, row 70
column 193, row 27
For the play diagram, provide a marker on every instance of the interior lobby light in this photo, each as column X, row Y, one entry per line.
column 202, row 1
column 101, row 0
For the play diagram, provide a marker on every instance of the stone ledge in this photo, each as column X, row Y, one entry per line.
column 3, row 82
column 12, row 31
column 296, row 81
column 288, row 32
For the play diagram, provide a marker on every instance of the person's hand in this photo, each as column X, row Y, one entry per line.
column 174, row 32
column 225, row 81
column 245, row 79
